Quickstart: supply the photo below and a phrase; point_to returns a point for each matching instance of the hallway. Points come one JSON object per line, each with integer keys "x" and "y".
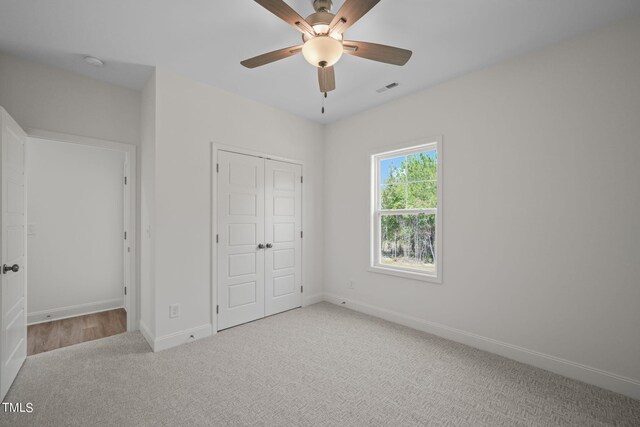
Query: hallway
{"x": 49, "y": 336}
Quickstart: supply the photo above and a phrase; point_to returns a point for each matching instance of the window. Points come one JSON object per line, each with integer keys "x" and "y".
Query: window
{"x": 406, "y": 205}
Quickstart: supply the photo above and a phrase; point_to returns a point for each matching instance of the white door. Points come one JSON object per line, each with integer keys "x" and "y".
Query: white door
{"x": 240, "y": 232}
{"x": 283, "y": 253}
{"x": 259, "y": 238}
{"x": 13, "y": 322}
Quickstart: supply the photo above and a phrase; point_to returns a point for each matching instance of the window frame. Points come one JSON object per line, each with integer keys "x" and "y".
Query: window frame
{"x": 375, "y": 159}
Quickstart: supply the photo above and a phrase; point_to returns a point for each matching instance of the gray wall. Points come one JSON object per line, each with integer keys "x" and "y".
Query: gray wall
{"x": 47, "y": 98}
{"x": 541, "y": 204}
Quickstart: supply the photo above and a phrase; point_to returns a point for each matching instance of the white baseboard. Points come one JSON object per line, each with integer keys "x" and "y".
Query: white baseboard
{"x": 598, "y": 377}
{"x": 144, "y": 330}
{"x": 313, "y": 299}
{"x": 73, "y": 311}
{"x": 181, "y": 337}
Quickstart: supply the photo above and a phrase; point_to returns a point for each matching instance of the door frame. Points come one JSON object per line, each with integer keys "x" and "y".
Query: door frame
{"x": 132, "y": 300}
{"x": 213, "y": 270}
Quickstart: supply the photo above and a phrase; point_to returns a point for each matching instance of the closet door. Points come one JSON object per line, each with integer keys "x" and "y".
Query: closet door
{"x": 283, "y": 226}
{"x": 240, "y": 230}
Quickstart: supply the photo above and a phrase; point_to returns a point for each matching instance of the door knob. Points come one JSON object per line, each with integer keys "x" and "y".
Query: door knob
{"x": 14, "y": 268}
{"x": 260, "y": 246}
{"x": 269, "y": 245}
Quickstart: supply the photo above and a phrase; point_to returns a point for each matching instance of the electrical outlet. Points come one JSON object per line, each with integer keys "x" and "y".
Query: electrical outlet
{"x": 174, "y": 311}
{"x": 351, "y": 284}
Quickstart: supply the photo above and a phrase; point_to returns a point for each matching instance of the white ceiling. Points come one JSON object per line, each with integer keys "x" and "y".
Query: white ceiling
{"x": 207, "y": 39}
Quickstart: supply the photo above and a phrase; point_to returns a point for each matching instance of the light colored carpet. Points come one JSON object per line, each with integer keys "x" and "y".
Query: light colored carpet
{"x": 321, "y": 365}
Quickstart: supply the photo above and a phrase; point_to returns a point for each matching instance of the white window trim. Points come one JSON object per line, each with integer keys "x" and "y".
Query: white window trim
{"x": 374, "y": 160}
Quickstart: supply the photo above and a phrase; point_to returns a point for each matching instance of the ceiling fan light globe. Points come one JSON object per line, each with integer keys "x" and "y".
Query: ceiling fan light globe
{"x": 323, "y": 50}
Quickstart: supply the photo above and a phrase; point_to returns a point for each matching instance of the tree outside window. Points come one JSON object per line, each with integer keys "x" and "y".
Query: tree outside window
{"x": 406, "y": 210}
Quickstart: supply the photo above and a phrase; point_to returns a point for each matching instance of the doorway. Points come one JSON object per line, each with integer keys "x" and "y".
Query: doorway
{"x": 80, "y": 240}
{"x": 259, "y": 237}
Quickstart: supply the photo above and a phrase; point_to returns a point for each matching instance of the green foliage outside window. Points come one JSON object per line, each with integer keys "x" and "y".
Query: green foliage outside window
{"x": 409, "y": 240}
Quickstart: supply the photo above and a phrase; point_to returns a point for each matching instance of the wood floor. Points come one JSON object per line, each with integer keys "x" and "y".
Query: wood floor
{"x": 62, "y": 333}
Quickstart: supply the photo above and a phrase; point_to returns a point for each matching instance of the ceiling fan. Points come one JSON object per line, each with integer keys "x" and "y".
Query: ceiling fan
{"x": 322, "y": 36}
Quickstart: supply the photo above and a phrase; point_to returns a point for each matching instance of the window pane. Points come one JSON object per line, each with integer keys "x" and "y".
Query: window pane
{"x": 392, "y": 170}
{"x": 422, "y": 166}
{"x": 408, "y": 241}
{"x": 393, "y": 196}
{"x": 422, "y": 195}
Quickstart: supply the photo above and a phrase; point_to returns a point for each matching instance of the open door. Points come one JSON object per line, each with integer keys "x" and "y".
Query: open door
{"x": 13, "y": 319}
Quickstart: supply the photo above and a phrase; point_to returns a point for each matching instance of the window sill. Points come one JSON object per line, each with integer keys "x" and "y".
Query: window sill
{"x": 405, "y": 274}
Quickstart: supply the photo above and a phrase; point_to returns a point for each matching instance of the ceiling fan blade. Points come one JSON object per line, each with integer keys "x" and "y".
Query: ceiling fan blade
{"x": 377, "y": 52}
{"x": 327, "y": 79}
{"x": 267, "y": 58}
{"x": 349, "y": 13}
{"x": 287, "y": 14}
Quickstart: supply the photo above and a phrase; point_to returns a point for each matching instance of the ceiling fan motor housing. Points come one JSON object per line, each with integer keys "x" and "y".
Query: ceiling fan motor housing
{"x": 322, "y": 5}
{"x": 320, "y": 22}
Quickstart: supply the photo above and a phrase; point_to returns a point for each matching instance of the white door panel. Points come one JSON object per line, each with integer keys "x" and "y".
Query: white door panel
{"x": 242, "y": 294}
{"x": 284, "y": 285}
{"x": 242, "y": 264}
{"x": 240, "y": 230}
{"x": 13, "y": 321}
{"x": 241, "y": 234}
{"x": 283, "y": 261}
{"x": 284, "y": 258}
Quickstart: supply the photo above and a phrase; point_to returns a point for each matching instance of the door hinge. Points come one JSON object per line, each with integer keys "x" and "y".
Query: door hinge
{"x": 125, "y": 235}
{"x": 301, "y": 180}
{"x": 301, "y": 289}
{"x": 217, "y": 309}
{"x": 125, "y": 290}
{"x": 217, "y": 167}
{"x": 217, "y": 238}
{"x": 125, "y": 180}
{"x": 301, "y": 234}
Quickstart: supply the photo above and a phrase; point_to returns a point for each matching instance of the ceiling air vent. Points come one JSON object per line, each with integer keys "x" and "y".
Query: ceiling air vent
{"x": 387, "y": 87}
